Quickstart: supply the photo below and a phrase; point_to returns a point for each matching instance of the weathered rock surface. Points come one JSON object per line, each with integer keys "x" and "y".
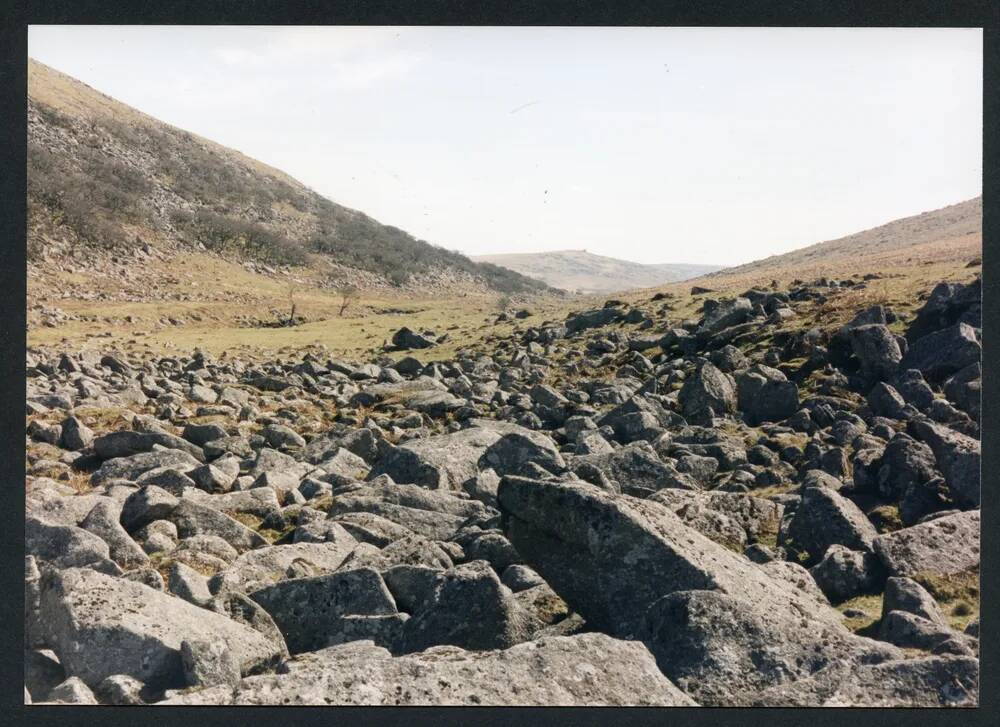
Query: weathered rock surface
{"x": 100, "y": 626}
{"x": 944, "y": 546}
{"x": 586, "y": 670}
{"x": 308, "y": 611}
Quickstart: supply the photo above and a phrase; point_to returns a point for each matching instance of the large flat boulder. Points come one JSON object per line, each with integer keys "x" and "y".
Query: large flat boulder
{"x": 723, "y": 650}
{"x": 611, "y": 556}
{"x": 944, "y": 546}
{"x": 99, "y": 625}
{"x": 586, "y": 670}
{"x": 126, "y": 443}
{"x": 442, "y": 462}
{"x": 255, "y": 569}
{"x": 131, "y": 467}
{"x": 721, "y": 627}
{"x": 433, "y": 514}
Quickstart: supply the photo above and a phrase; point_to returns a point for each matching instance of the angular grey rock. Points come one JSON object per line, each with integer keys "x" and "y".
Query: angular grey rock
{"x": 441, "y": 462}
{"x": 591, "y": 319}
{"x": 99, "y": 626}
{"x": 520, "y": 577}
{"x": 905, "y": 463}
{"x": 202, "y": 434}
{"x": 405, "y": 338}
{"x": 765, "y": 394}
{"x": 708, "y": 389}
{"x": 958, "y": 457}
{"x": 944, "y": 546}
{"x": 243, "y": 610}
{"x": 428, "y": 523}
{"x": 167, "y": 478}
{"x": 121, "y": 690}
{"x": 725, "y": 314}
{"x": 965, "y": 388}
{"x": 877, "y": 350}
{"x": 410, "y": 585}
{"x": 514, "y": 452}
{"x": 844, "y": 573}
{"x": 42, "y": 672}
{"x": 149, "y": 577}
{"x": 469, "y": 607}
{"x": 258, "y": 568}
{"x": 209, "y": 545}
{"x": 72, "y": 691}
{"x": 187, "y": 583}
{"x": 824, "y": 518}
{"x": 411, "y": 550}
{"x": 64, "y": 546}
{"x": 367, "y": 527}
{"x": 885, "y": 401}
{"x": 211, "y": 479}
{"x": 585, "y": 670}
{"x": 932, "y": 681}
{"x": 905, "y": 594}
{"x": 208, "y": 663}
{"x": 192, "y": 518}
{"x": 909, "y": 631}
{"x": 145, "y": 506}
{"x": 945, "y": 352}
{"x": 914, "y": 390}
{"x": 723, "y": 650}
{"x": 635, "y": 465}
{"x": 104, "y": 521}
{"x": 492, "y": 547}
{"x": 126, "y": 444}
{"x": 281, "y": 437}
{"x": 129, "y": 468}
{"x": 611, "y": 556}
{"x": 756, "y": 518}
{"x": 76, "y": 435}
{"x": 308, "y": 611}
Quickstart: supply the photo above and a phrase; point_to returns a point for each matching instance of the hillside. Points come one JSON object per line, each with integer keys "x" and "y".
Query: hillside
{"x": 951, "y": 233}
{"x": 584, "y": 272}
{"x": 106, "y": 177}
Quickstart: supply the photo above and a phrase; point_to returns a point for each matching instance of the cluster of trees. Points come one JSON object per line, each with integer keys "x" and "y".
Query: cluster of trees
{"x": 94, "y": 199}
{"x": 224, "y": 234}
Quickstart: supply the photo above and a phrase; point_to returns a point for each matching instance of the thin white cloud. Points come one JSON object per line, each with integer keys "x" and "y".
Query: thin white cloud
{"x": 351, "y": 58}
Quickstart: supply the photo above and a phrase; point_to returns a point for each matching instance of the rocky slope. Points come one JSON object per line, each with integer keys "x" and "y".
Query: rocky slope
{"x": 580, "y": 271}
{"x": 619, "y": 507}
{"x": 105, "y": 180}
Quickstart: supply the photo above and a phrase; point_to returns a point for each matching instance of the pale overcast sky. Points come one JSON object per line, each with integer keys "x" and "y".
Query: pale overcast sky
{"x": 691, "y": 145}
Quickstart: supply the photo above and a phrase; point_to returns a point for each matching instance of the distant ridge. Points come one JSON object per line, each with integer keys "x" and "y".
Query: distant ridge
{"x": 584, "y": 272}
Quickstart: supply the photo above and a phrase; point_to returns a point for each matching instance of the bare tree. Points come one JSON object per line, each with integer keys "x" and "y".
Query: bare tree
{"x": 348, "y": 294}
{"x": 291, "y": 302}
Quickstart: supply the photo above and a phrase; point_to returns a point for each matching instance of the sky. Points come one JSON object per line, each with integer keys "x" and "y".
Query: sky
{"x": 658, "y": 145}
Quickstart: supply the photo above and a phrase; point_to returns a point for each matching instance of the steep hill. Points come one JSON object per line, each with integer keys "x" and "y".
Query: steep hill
{"x": 584, "y": 272}
{"x": 103, "y": 176}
